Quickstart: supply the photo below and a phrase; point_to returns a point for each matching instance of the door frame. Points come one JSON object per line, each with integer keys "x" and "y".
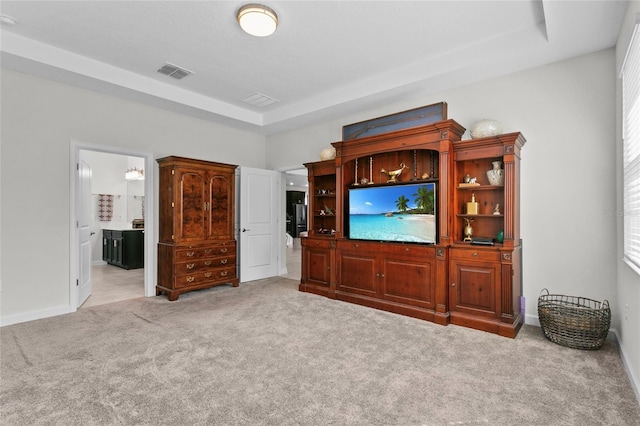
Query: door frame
{"x": 283, "y": 210}
{"x": 150, "y": 239}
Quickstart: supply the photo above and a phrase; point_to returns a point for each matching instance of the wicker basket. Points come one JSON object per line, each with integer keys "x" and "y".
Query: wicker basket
{"x": 575, "y": 322}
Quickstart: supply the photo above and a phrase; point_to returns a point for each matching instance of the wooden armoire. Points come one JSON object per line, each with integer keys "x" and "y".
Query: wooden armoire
{"x": 197, "y": 247}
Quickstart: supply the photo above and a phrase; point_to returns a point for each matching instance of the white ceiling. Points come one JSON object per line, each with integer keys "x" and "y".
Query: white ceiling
{"x": 327, "y": 58}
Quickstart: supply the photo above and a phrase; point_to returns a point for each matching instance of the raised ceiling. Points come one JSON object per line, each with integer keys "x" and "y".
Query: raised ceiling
{"x": 326, "y": 59}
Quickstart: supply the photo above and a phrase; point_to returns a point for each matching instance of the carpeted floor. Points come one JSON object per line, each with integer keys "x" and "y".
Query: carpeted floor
{"x": 266, "y": 354}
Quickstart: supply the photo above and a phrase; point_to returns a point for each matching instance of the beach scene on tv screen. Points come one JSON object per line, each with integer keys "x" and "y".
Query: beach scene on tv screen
{"x": 404, "y": 213}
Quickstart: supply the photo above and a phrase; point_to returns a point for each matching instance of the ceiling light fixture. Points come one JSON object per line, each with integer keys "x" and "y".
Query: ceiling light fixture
{"x": 134, "y": 174}
{"x": 7, "y": 20}
{"x": 257, "y": 20}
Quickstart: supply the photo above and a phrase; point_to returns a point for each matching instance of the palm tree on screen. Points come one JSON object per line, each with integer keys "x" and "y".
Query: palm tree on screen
{"x": 425, "y": 200}
{"x": 402, "y": 203}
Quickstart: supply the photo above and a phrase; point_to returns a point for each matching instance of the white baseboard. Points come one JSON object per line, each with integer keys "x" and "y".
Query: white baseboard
{"x": 635, "y": 384}
{"x": 531, "y": 320}
{"x": 34, "y": 315}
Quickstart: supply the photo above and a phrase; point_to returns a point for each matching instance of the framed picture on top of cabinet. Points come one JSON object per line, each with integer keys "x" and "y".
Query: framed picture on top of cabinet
{"x": 402, "y": 120}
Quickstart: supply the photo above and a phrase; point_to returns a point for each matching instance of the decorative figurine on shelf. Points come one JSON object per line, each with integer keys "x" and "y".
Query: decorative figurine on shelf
{"x": 327, "y": 210}
{"x": 496, "y": 211}
{"x": 496, "y": 175}
{"x": 467, "y": 179}
{"x": 394, "y": 174}
{"x": 425, "y": 176}
{"x": 468, "y": 230}
{"x": 472, "y": 206}
{"x": 364, "y": 181}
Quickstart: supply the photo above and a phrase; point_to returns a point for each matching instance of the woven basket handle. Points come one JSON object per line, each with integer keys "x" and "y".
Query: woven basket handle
{"x": 544, "y": 289}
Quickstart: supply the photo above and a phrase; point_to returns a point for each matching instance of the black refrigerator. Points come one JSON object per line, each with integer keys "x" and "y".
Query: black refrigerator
{"x": 299, "y": 219}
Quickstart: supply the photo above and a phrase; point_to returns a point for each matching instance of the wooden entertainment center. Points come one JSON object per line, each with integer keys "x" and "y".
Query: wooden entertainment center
{"x": 452, "y": 281}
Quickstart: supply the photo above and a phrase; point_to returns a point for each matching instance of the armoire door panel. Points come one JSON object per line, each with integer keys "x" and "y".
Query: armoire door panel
{"x": 192, "y": 203}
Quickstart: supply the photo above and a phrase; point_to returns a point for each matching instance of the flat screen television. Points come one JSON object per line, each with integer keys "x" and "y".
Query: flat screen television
{"x": 399, "y": 212}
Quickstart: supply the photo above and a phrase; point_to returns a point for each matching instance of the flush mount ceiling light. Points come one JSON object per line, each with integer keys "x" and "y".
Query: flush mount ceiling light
{"x": 7, "y": 20}
{"x": 257, "y": 20}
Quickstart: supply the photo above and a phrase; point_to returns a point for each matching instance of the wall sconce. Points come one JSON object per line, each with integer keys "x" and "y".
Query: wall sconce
{"x": 257, "y": 20}
{"x": 134, "y": 174}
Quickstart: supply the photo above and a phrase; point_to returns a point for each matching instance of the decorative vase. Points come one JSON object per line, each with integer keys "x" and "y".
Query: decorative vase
{"x": 484, "y": 128}
{"x": 328, "y": 153}
{"x": 496, "y": 175}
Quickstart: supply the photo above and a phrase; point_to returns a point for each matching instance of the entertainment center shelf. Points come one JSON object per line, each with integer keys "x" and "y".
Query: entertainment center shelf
{"x": 415, "y": 255}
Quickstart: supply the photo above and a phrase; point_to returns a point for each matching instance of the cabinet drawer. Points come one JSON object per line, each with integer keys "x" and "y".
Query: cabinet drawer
{"x": 475, "y": 254}
{"x": 186, "y": 254}
{"x": 316, "y": 242}
{"x": 201, "y": 277}
{"x": 198, "y": 265}
{"x": 358, "y": 246}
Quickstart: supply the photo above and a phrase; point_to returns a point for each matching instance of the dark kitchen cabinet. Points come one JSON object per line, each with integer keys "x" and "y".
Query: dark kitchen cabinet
{"x": 123, "y": 248}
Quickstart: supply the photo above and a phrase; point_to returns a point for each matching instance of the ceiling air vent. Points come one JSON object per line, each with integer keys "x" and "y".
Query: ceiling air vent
{"x": 259, "y": 100}
{"x": 174, "y": 71}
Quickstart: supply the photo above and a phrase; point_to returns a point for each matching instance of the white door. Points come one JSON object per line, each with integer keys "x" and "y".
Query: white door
{"x": 259, "y": 224}
{"x": 84, "y": 231}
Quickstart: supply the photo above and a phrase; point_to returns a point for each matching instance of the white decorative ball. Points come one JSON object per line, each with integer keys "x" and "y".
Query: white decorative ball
{"x": 328, "y": 153}
{"x": 484, "y": 128}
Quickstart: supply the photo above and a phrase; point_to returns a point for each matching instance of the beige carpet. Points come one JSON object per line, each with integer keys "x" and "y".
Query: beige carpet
{"x": 266, "y": 354}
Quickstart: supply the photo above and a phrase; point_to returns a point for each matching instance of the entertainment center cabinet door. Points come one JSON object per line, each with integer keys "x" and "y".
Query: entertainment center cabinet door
{"x": 474, "y": 290}
{"x": 409, "y": 276}
{"x": 359, "y": 271}
{"x": 317, "y": 261}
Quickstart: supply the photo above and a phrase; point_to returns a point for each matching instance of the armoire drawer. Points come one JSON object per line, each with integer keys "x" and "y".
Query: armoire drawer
{"x": 201, "y": 277}
{"x": 198, "y": 265}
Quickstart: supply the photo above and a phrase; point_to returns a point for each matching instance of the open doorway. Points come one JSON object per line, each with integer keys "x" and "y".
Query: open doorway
{"x": 297, "y": 187}
{"x": 120, "y": 263}
{"x": 117, "y": 227}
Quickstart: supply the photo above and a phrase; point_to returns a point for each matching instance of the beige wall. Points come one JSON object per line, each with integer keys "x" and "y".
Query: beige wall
{"x": 39, "y": 120}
